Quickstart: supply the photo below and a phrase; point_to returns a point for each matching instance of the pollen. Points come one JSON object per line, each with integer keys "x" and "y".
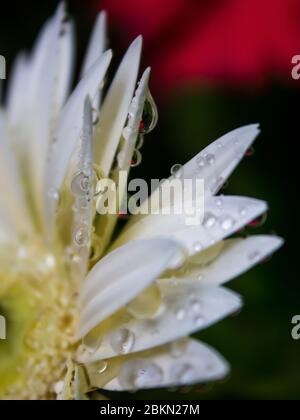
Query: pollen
{"x": 38, "y": 301}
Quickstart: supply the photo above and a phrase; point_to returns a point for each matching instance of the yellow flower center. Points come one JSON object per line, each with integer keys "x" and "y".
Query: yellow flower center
{"x": 38, "y": 302}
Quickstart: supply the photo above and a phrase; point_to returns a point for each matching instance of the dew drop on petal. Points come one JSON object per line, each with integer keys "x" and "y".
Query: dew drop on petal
{"x": 150, "y": 115}
{"x": 180, "y": 314}
{"x": 197, "y": 247}
{"x": 177, "y": 170}
{"x": 122, "y": 341}
{"x": 227, "y": 223}
{"x": 140, "y": 142}
{"x": 53, "y": 193}
{"x": 140, "y": 373}
{"x": 209, "y": 220}
{"x": 254, "y": 256}
{"x": 80, "y": 184}
{"x": 199, "y": 320}
{"x": 200, "y": 161}
{"x": 183, "y": 373}
{"x": 136, "y": 159}
{"x": 210, "y": 159}
{"x": 81, "y": 236}
{"x": 95, "y": 114}
{"x": 195, "y": 305}
{"x": 147, "y": 304}
{"x": 219, "y": 202}
{"x": 243, "y": 211}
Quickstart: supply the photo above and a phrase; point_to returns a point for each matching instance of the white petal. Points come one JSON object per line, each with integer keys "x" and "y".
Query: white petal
{"x": 237, "y": 257}
{"x": 97, "y": 44}
{"x": 96, "y": 48}
{"x": 187, "y": 307}
{"x": 83, "y": 202}
{"x": 65, "y": 66}
{"x": 198, "y": 363}
{"x": 70, "y": 126}
{"x": 135, "y": 116}
{"x": 217, "y": 161}
{"x": 7, "y": 231}
{"x": 120, "y": 276}
{"x": 17, "y": 97}
{"x": 107, "y": 223}
{"x": 115, "y": 108}
{"x": 51, "y": 69}
{"x": 231, "y": 216}
{"x": 12, "y": 199}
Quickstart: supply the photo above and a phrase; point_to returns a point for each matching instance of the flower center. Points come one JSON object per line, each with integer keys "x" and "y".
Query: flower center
{"x": 37, "y": 301}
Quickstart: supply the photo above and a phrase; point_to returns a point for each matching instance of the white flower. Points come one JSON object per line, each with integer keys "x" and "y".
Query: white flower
{"x": 81, "y": 317}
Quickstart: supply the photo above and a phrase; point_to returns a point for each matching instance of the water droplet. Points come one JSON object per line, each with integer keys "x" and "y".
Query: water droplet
{"x": 197, "y": 247}
{"x": 199, "y": 320}
{"x": 102, "y": 366}
{"x": 184, "y": 373}
{"x": 180, "y": 314}
{"x": 227, "y": 223}
{"x": 140, "y": 142}
{"x": 195, "y": 304}
{"x": 150, "y": 115}
{"x": 146, "y": 305}
{"x": 209, "y": 220}
{"x": 95, "y": 114}
{"x": 81, "y": 236}
{"x": 210, "y": 159}
{"x": 253, "y": 256}
{"x": 177, "y": 170}
{"x": 200, "y": 277}
{"x": 122, "y": 341}
{"x": 136, "y": 159}
{"x": 219, "y": 145}
{"x": 219, "y": 201}
{"x": 200, "y": 162}
{"x": 53, "y": 193}
{"x": 243, "y": 211}
{"x": 140, "y": 373}
{"x": 80, "y": 184}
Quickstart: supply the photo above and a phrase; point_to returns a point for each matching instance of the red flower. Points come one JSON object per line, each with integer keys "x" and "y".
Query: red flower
{"x": 233, "y": 41}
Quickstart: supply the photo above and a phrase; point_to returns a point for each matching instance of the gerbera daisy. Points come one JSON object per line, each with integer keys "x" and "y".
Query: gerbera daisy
{"x": 84, "y": 312}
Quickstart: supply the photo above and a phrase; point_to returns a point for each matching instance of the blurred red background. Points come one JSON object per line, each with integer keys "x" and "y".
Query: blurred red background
{"x": 234, "y": 42}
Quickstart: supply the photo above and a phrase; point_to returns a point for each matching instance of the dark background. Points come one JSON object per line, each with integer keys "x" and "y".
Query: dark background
{"x": 265, "y": 360}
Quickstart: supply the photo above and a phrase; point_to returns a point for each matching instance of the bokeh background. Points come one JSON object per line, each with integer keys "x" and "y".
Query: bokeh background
{"x": 217, "y": 65}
